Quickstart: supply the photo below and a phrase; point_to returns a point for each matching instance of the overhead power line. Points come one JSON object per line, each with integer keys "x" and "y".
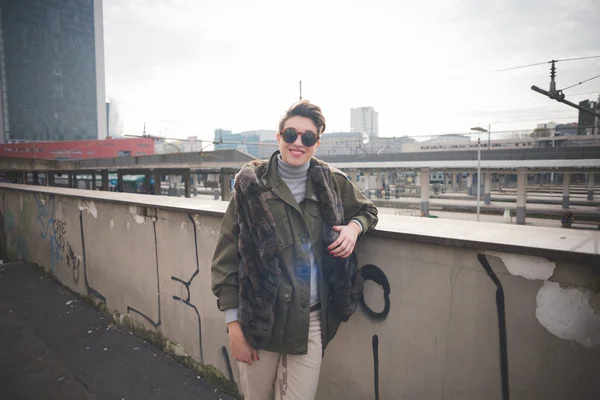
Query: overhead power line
{"x": 587, "y": 80}
{"x": 547, "y": 62}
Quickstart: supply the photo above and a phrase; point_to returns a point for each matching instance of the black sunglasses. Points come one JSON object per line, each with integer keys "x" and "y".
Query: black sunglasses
{"x": 309, "y": 138}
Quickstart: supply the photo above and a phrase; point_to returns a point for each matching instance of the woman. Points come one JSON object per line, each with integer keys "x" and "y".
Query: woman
{"x": 284, "y": 271}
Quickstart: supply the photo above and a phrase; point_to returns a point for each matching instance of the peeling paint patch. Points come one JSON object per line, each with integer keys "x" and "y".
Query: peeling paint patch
{"x": 569, "y": 313}
{"x": 111, "y": 224}
{"x": 89, "y": 206}
{"x": 140, "y": 219}
{"x": 183, "y": 225}
{"x": 128, "y": 226}
{"x": 529, "y": 267}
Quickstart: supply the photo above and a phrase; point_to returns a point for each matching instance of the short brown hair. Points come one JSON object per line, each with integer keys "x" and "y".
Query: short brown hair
{"x": 305, "y": 109}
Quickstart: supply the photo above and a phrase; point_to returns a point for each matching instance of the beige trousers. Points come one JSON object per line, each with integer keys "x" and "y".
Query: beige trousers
{"x": 285, "y": 377}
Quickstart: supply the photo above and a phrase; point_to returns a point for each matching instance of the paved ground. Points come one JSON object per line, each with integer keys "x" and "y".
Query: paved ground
{"x": 54, "y": 346}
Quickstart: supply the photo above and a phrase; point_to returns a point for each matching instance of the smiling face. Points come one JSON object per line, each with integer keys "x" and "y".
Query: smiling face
{"x": 297, "y": 153}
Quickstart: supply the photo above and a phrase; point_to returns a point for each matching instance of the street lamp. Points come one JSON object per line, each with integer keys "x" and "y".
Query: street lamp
{"x": 480, "y": 130}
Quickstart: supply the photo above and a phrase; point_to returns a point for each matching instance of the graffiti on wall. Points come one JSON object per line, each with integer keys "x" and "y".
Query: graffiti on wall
{"x": 50, "y": 228}
{"x": 187, "y": 284}
{"x": 88, "y": 288}
{"x": 130, "y": 309}
{"x": 373, "y": 273}
{"x": 73, "y": 263}
{"x": 60, "y": 229}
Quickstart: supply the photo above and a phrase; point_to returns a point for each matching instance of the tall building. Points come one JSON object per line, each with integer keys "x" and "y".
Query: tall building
{"x": 589, "y": 124}
{"x": 114, "y": 119}
{"x": 52, "y": 70}
{"x": 225, "y": 139}
{"x": 364, "y": 120}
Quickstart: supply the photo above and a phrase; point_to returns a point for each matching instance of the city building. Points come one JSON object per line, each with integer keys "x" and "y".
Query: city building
{"x": 364, "y": 120}
{"x": 226, "y": 140}
{"x": 589, "y": 124}
{"x": 545, "y": 130}
{"x": 114, "y": 119}
{"x": 337, "y": 143}
{"x": 260, "y": 143}
{"x": 79, "y": 149}
{"x": 568, "y": 129}
{"x": 190, "y": 145}
{"x": 52, "y": 70}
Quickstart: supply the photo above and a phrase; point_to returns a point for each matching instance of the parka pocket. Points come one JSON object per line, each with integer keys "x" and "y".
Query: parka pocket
{"x": 282, "y": 306}
{"x": 312, "y": 208}
{"x": 278, "y": 209}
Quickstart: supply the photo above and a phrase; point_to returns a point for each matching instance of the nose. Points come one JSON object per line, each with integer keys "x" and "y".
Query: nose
{"x": 298, "y": 141}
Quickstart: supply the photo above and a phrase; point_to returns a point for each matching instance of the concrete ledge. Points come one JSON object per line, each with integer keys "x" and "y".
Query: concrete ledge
{"x": 541, "y": 241}
{"x": 153, "y": 265}
{"x": 532, "y": 240}
{"x": 210, "y": 207}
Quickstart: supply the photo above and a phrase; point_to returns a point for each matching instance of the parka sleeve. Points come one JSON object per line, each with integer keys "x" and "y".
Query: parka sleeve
{"x": 225, "y": 262}
{"x": 356, "y": 205}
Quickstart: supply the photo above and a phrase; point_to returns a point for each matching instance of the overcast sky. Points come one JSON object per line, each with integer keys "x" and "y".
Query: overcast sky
{"x": 186, "y": 67}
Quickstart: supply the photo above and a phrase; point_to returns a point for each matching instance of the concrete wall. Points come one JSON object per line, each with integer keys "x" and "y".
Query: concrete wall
{"x": 440, "y": 339}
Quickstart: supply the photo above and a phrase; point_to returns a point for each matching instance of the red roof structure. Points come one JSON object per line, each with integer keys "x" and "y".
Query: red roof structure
{"x": 79, "y": 149}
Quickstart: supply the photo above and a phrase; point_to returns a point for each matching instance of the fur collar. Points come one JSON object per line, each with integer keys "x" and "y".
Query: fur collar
{"x": 258, "y": 243}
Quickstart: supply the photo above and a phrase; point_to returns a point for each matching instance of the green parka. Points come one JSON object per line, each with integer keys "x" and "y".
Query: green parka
{"x": 296, "y": 224}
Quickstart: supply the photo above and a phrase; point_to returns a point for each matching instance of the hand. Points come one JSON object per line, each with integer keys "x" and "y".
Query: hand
{"x": 240, "y": 349}
{"x": 344, "y": 245}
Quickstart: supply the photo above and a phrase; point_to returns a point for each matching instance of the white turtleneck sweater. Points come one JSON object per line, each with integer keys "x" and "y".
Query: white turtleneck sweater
{"x": 295, "y": 178}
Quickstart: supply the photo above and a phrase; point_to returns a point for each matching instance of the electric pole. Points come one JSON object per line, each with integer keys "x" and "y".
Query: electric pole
{"x": 558, "y": 95}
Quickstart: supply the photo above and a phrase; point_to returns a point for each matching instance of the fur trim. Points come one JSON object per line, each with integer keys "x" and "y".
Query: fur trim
{"x": 259, "y": 267}
{"x": 345, "y": 281}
